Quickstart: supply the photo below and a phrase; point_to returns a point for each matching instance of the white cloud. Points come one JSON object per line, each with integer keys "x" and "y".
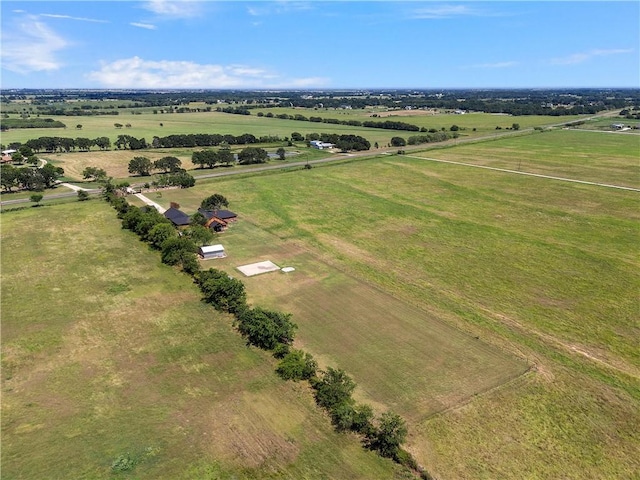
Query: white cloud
{"x": 174, "y": 9}
{"x": 69, "y": 17}
{"x": 31, "y": 46}
{"x": 443, "y": 11}
{"x": 148, "y": 26}
{"x": 136, "y": 72}
{"x": 584, "y": 56}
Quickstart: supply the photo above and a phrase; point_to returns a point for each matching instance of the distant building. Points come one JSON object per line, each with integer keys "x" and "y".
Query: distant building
{"x": 212, "y": 251}
{"x": 617, "y": 126}
{"x": 320, "y": 145}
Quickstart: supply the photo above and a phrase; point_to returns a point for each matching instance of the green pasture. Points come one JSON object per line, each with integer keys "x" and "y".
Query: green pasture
{"x": 610, "y": 158}
{"x": 394, "y": 351}
{"x": 543, "y": 269}
{"x": 110, "y": 361}
{"x": 483, "y": 122}
{"x": 147, "y": 125}
{"x": 116, "y": 162}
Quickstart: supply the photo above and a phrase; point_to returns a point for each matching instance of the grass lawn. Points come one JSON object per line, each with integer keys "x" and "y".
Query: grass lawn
{"x": 543, "y": 269}
{"x": 110, "y": 358}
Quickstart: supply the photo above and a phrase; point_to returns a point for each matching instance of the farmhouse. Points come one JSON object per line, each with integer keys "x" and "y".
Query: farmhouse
{"x": 218, "y": 220}
{"x": 177, "y": 217}
{"x": 212, "y": 251}
{"x": 6, "y": 156}
{"x": 320, "y": 145}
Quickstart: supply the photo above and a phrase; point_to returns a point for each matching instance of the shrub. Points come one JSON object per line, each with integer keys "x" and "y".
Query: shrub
{"x": 297, "y": 365}
{"x": 266, "y": 328}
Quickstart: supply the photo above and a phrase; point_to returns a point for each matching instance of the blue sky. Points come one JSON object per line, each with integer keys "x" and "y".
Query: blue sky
{"x": 319, "y": 45}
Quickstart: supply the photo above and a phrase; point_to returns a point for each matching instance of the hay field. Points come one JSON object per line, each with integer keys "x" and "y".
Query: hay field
{"x": 108, "y": 355}
{"x": 543, "y": 269}
{"x": 582, "y": 155}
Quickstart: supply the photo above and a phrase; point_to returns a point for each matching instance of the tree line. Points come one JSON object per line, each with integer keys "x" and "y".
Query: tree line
{"x": 387, "y": 124}
{"x": 267, "y": 329}
{"x": 27, "y": 178}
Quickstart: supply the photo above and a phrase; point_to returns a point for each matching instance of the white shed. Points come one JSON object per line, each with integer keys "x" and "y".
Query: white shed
{"x": 212, "y": 251}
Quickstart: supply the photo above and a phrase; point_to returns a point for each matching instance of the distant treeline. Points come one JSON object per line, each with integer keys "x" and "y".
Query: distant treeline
{"x": 128, "y": 142}
{"x": 510, "y": 101}
{"x": 8, "y": 123}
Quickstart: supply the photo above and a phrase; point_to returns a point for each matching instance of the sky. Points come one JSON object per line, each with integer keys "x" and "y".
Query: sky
{"x": 162, "y": 44}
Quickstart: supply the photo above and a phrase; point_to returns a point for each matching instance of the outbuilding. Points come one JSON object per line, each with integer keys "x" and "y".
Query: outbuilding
{"x": 212, "y": 251}
{"x": 177, "y": 217}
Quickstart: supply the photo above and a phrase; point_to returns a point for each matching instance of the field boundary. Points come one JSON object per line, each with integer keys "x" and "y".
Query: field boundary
{"x": 539, "y": 175}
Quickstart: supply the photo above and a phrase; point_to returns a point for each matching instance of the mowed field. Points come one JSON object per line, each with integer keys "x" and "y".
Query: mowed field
{"x": 109, "y": 355}
{"x": 542, "y": 271}
{"x": 147, "y": 125}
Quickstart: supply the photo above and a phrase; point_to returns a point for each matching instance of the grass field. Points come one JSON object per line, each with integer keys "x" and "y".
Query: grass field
{"x": 147, "y": 125}
{"x": 116, "y": 162}
{"x": 597, "y": 157}
{"x": 540, "y": 268}
{"x": 109, "y": 355}
{"x": 401, "y": 263}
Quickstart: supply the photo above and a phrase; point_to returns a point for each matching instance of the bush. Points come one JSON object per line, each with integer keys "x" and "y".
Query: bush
{"x": 297, "y": 365}
{"x": 223, "y": 292}
{"x": 266, "y": 328}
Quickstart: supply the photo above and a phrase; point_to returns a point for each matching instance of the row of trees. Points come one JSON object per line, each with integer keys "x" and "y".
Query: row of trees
{"x": 171, "y": 168}
{"x": 27, "y": 178}
{"x": 387, "y": 124}
{"x": 63, "y": 144}
{"x": 269, "y": 330}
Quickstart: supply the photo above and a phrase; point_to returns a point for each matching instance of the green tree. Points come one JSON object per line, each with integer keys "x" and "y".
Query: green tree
{"x": 94, "y": 173}
{"x": 515, "y": 126}
{"x": 281, "y": 153}
{"x": 334, "y": 387}
{"x": 225, "y": 156}
{"x": 8, "y": 177}
{"x": 82, "y": 196}
{"x": 398, "y": 142}
{"x": 36, "y": 198}
{"x": 297, "y": 365}
{"x": 198, "y": 219}
{"x": 50, "y": 174}
{"x": 252, "y": 155}
{"x": 159, "y": 233}
{"x": 454, "y": 128}
{"x": 17, "y": 157}
{"x": 226, "y": 294}
{"x": 214, "y": 202}
{"x": 168, "y": 164}
{"x": 266, "y": 328}
{"x": 199, "y": 234}
{"x": 388, "y": 436}
{"x": 140, "y": 166}
{"x": 175, "y": 250}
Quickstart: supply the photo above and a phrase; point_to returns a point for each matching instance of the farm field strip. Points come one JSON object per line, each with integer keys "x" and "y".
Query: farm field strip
{"x": 517, "y": 172}
{"x": 396, "y": 352}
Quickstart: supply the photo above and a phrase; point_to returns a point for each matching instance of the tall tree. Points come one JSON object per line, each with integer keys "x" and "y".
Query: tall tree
{"x": 140, "y": 166}
{"x": 214, "y": 202}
